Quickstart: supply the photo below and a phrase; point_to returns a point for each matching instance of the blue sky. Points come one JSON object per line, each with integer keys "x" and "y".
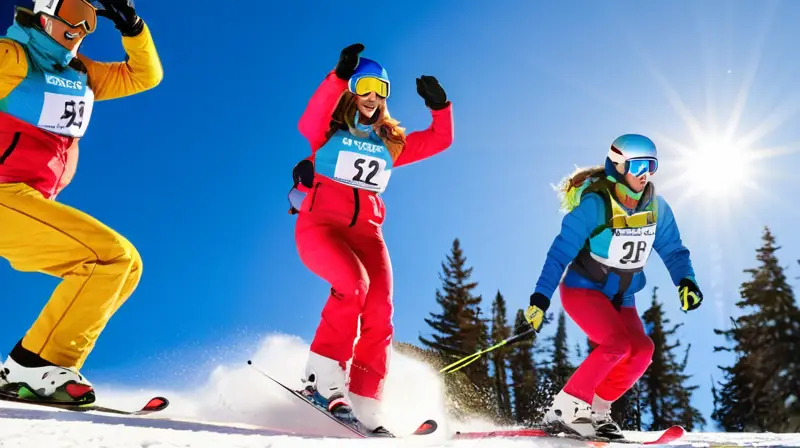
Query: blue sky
{"x": 197, "y": 176}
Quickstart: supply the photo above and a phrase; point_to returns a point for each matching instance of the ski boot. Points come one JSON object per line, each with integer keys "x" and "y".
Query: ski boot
{"x": 325, "y": 388}
{"x": 49, "y": 383}
{"x": 570, "y": 415}
{"x": 604, "y": 425}
{"x": 368, "y": 411}
{"x": 337, "y": 405}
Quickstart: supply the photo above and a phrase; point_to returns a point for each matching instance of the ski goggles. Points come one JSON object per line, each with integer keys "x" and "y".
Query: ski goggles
{"x": 638, "y": 167}
{"x": 368, "y": 84}
{"x": 77, "y": 13}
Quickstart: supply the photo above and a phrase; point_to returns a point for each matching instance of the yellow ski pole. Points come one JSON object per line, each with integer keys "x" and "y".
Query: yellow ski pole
{"x": 463, "y": 362}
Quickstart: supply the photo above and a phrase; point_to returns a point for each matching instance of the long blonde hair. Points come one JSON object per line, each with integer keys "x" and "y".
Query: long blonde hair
{"x": 570, "y": 188}
{"x": 387, "y": 128}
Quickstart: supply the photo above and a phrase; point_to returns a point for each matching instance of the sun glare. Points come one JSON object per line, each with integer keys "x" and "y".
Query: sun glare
{"x": 717, "y": 167}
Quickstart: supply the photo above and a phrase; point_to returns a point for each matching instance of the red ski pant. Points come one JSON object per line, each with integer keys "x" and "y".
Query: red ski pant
{"x": 623, "y": 350}
{"x": 339, "y": 237}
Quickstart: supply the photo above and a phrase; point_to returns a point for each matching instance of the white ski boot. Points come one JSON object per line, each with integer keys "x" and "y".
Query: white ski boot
{"x": 369, "y": 412}
{"x": 604, "y": 425}
{"x": 49, "y": 383}
{"x": 571, "y": 414}
{"x": 325, "y": 386}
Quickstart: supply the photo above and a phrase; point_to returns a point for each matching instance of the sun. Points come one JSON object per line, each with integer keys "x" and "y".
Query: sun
{"x": 718, "y": 168}
{"x": 714, "y": 171}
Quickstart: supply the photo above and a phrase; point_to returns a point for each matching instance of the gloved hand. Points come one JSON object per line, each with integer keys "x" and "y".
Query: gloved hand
{"x": 689, "y": 294}
{"x": 348, "y": 61}
{"x": 303, "y": 173}
{"x": 535, "y": 312}
{"x": 431, "y": 91}
{"x": 123, "y": 14}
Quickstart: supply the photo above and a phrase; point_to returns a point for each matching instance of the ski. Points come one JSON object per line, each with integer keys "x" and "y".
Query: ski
{"x": 155, "y": 404}
{"x": 671, "y": 434}
{"x": 667, "y": 436}
{"x": 427, "y": 427}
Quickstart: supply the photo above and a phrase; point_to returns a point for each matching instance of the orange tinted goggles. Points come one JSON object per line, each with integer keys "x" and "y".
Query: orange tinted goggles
{"x": 77, "y": 13}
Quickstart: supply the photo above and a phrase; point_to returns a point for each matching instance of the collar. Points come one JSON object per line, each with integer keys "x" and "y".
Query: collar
{"x": 41, "y": 46}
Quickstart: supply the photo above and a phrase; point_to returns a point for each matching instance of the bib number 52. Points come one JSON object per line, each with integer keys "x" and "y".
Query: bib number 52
{"x": 373, "y": 168}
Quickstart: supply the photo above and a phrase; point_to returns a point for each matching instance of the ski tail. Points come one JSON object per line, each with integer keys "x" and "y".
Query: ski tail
{"x": 670, "y": 435}
{"x": 427, "y": 427}
{"x": 155, "y": 404}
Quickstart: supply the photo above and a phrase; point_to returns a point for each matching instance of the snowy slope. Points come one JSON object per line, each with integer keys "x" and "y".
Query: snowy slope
{"x": 237, "y": 407}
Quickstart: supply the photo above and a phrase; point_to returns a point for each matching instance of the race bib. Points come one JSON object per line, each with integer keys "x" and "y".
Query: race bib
{"x": 66, "y": 114}
{"x": 630, "y": 248}
{"x": 362, "y": 171}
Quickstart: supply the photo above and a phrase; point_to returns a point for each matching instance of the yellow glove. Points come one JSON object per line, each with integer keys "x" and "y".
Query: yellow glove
{"x": 689, "y": 295}
{"x": 535, "y": 312}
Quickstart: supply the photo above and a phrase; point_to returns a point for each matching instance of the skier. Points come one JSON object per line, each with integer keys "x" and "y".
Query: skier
{"x": 47, "y": 91}
{"x": 336, "y": 194}
{"x": 614, "y": 219}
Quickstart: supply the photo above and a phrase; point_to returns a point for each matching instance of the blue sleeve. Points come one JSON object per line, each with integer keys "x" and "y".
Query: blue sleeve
{"x": 669, "y": 246}
{"x": 576, "y": 228}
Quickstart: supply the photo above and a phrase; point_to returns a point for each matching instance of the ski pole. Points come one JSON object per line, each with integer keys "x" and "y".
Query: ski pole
{"x": 463, "y": 362}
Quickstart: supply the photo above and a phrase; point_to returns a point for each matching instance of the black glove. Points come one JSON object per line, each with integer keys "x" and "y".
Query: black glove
{"x": 123, "y": 14}
{"x": 429, "y": 89}
{"x": 689, "y": 294}
{"x": 303, "y": 173}
{"x": 348, "y": 60}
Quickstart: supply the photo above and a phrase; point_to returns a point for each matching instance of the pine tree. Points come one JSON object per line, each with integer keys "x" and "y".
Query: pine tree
{"x": 500, "y": 332}
{"x": 559, "y": 369}
{"x": 664, "y": 389}
{"x": 524, "y": 378}
{"x": 460, "y": 330}
{"x": 760, "y": 391}
{"x": 562, "y": 369}
{"x": 688, "y": 416}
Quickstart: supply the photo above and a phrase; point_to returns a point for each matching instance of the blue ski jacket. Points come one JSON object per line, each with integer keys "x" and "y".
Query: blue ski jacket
{"x": 576, "y": 230}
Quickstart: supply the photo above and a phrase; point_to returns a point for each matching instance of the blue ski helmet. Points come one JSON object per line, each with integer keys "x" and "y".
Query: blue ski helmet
{"x": 369, "y": 76}
{"x": 636, "y": 152}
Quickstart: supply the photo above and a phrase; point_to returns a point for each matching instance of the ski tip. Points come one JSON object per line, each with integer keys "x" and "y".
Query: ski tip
{"x": 427, "y": 427}
{"x": 156, "y": 404}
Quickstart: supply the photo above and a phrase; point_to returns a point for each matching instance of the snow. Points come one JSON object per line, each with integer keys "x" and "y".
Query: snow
{"x": 239, "y": 408}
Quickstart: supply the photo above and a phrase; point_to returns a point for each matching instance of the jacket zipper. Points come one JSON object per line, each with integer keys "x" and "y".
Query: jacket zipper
{"x": 11, "y": 148}
{"x": 355, "y": 207}
{"x": 313, "y": 196}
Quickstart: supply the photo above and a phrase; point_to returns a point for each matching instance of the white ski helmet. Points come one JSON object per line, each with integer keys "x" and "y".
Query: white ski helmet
{"x": 72, "y": 12}
{"x": 636, "y": 154}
